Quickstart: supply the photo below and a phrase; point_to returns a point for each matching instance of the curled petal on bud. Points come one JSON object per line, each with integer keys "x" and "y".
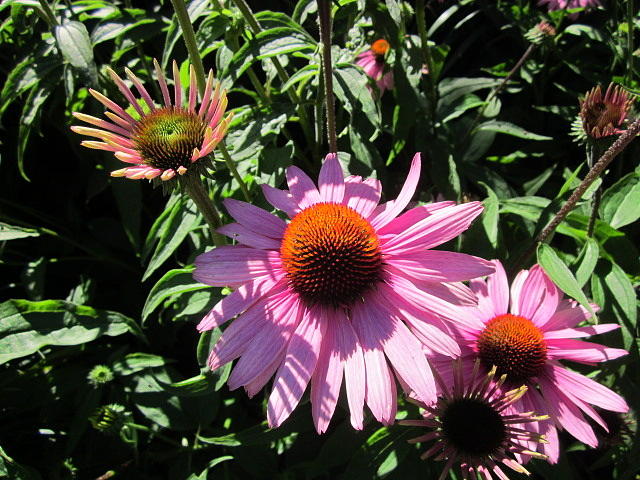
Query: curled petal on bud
{"x": 603, "y": 115}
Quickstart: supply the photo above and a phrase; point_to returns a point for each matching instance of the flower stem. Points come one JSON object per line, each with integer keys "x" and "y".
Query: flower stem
{"x": 630, "y": 24}
{"x": 252, "y": 21}
{"x": 195, "y": 190}
{"x": 189, "y": 37}
{"x": 324, "y": 13}
{"x": 234, "y": 171}
{"x": 612, "y": 152}
{"x": 428, "y": 59}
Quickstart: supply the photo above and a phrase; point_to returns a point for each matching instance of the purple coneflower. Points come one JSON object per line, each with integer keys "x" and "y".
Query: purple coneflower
{"x": 568, "y": 4}
{"x": 525, "y": 331}
{"x": 334, "y": 293}
{"x": 159, "y": 141}
{"x": 373, "y": 64}
{"x": 474, "y": 426}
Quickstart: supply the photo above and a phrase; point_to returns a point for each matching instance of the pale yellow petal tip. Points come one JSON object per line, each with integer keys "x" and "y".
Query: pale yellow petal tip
{"x": 182, "y": 170}
{"x": 167, "y": 175}
{"x": 119, "y": 173}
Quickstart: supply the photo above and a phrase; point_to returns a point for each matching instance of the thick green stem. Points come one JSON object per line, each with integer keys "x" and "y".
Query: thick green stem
{"x": 234, "y": 171}
{"x": 189, "y": 37}
{"x": 324, "y": 13}
{"x": 195, "y": 190}
{"x": 612, "y": 152}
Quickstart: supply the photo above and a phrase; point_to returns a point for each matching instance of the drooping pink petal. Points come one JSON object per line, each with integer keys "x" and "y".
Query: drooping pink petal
{"x": 331, "y": 180}
{"x": 264, "y": 376}
{"x": 408, "y": 189}
{"x": 354, "y": 369}
{"x": 281, "y": 199}
{"x": 568, "y": 415}
{"x": 302, "y": 189}
{"x": 255, "y": 218}
{"x": 581, "y": 331}
{"x": 327, "y": 378}
{"x": 248, "y": 237}
{"x": 440, "y": 266}
{"x": 296, "y": 370}
{"x": 438, "y": 228}
{"x": 581, "y": 351}
{"x": 239, "y": 300}
{"x": 234, "y": 265}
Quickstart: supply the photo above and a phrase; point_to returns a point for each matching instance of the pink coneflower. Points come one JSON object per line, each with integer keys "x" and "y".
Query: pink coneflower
{"x": 526, "y": 338}
{"x": 603, "y": 116}
{"x": 332, "y": 292}
{"x": 568, "y": 4}
{"x": 473, "y": 429}
{"x": 373, "y": 64}
{"x": 159, "y": 141}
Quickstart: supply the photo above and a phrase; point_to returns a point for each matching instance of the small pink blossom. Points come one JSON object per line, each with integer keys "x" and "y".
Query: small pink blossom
{"x": 373, "y": 64}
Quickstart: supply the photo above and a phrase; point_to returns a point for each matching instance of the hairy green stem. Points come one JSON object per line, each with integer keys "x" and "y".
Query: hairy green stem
{"x": 234, "y": 171}
{"x": 324, "y": 13}
{"x": 612, "y": 152}
{"x": 189, "y": 37}
{"x": 196, "y": 191}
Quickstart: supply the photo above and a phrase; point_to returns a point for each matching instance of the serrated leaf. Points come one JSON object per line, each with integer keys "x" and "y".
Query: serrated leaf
{"x": 561, "y": 275}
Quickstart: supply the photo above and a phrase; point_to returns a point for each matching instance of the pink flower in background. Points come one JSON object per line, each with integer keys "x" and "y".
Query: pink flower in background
{"x": 344, "y": 288}
{"x": 373, "y": 64}
{"x": 525, "y": 331}
{"x": 473, "y": 428}
{"x": 568, "y": 4}
{"x": 159, "y": 141}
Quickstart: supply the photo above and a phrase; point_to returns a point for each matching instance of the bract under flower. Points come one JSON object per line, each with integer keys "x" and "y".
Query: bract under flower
{"x": 348, "y": 289}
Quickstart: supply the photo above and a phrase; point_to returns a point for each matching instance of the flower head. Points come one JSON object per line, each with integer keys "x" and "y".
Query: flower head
{"x": 603, "y": 116}
{"x": 159, "y": 141}
{"x": 100, "y": 375}
{"x": 539, "y": 33}
{"x": 338, "y": 290}
{"x": 373, "y": 64}
{"x": 525, "y": 332}
{"x": 473, "y": 427}
{"x": 568, "y": 4}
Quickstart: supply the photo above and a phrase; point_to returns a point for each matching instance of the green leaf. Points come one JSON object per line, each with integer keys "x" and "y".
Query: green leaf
{"x": 590, "y": 253}
{"x": 174, "y": 228}
{"x": 75, "y": 45}
{"x": 174, "y": 282}
{"x": 11, "y": 232}
{"x": 491, "y": 215}
{"x": 350, "y": 84}
{"x": 26, "y": 326}
{"x": 620, "y": 203}
{"x": 510, "y": 129}
{"x": 136, "y": 362}
{"x": 624, "y": 299}
{"x": 561, "y": 275}
{"x": 191, "y": 387}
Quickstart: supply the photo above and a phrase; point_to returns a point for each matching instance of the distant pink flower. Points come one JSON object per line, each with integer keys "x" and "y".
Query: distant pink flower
{"x": 568, "y": 4}
{"x": 159, "y": 141}
{"x": 373, "y": 64}
{"x": 473, "y": 428}
{"x": 331, "y": 293}
{"x": 526, "y": 338}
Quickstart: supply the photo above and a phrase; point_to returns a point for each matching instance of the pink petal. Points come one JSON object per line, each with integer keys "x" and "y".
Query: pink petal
{"x": 263, "y": 377}
{"x": 546, "y": 427}
{"x": 566, "y": 413}
{"x": 363, "y": 197}
{"x": 255, "y": 218}
{"x": 302, "y": 189}
{"x": 581, "y": 331}
{"x": 281, "y": 321}
{"x": 331, "y": 180}
{"x": 581, "y": 351}
{"x": 281, "y": 199}
{"x": 380, "y": 390}
{"x": 354, "y": 370}
{"x": 327, "y": 378}
{"x": 434, "y": 230}
{"x": 498, "y": 289}
{"x": 539, "y": 297}
{"x": 239, "y": 300}
{"x": 516, "y": 289}
{"x": 440, "y": 266}
{"x": 404, "y": 197}
{"x": 296, "y": 370}
{"x": 568, "y": 317}
{"x": 409, "y": 218}
{"x": 248, "y": 237}
{"x": 235, "y": 265}
{"x": 586, "y": 389}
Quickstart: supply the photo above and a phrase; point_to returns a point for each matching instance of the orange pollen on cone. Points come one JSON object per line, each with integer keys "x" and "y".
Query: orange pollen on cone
{"x": 331, "y": 255}
{"x": 380, "y": 47}
{"x": 514, "y": 345}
